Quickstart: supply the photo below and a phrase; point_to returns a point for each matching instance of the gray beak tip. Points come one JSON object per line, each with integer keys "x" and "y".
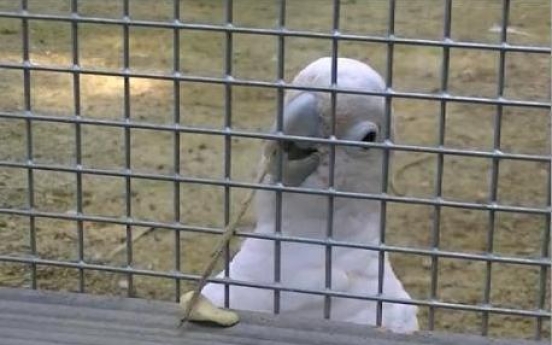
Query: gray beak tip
{"x": 301, "y": 117}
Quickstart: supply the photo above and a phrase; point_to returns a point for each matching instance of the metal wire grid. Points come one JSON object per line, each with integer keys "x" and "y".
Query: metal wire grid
{"x": 540, "y": 313}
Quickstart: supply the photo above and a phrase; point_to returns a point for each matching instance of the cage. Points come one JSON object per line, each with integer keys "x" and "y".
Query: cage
{"x": 130, "y": 129}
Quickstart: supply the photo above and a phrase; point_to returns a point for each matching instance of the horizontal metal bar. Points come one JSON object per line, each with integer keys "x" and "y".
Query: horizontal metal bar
{"x": 230, "y": 80}
{"x": 275, "y": 287}
{"x": 269, "y": 136}
{"x": 224, "y": 28}
{"x": 487, "y": 257}
{"x": 278, "y": 187}
{"x": 433, "y": 252}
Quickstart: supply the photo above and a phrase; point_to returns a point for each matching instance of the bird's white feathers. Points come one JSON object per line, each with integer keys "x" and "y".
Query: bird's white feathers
{"x": 302, "y": 266}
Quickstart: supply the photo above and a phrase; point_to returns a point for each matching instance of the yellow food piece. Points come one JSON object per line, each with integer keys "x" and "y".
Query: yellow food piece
{"x": 205, "y": 311}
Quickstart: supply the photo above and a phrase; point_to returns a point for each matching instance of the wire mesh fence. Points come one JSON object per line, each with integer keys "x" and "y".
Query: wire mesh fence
{"x": 127, "y": 118}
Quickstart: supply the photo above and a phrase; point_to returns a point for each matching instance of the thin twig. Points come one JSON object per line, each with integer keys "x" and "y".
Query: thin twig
{"x": 401, "y": 171}
{"x": 223, "y": 241}
{"x": 122, "y": 246}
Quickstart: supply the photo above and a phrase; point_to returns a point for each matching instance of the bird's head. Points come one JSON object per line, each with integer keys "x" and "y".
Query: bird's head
{"x": 357, "y": 117}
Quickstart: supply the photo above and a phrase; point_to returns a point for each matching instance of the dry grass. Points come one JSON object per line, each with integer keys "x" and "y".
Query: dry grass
{"x": 468, "y": 126}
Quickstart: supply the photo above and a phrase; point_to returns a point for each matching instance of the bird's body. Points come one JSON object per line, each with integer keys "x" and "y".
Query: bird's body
{"x": 302, "y": 265}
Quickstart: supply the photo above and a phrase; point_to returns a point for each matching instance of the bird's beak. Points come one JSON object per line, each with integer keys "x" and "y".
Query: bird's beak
{"x": 300, "y": 158}
{"x": 301, "y": 118}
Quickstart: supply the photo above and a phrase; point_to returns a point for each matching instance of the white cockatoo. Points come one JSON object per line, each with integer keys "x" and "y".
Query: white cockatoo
{"x": 307, "y": 164}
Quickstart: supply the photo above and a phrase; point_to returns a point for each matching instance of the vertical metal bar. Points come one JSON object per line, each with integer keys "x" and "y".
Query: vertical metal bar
{"x": 544, "y": 281}
{"x": 279, "y": 124}
{"x": 493, "y": 186}
{"x": 78, "y": 135}
{"x": 29, "y": 136}
{"x": 545, "y": 253}
{"x": 331, "y": 172}
{"x": 385, "y": 152}
{"x": 176, "y": 147}
{"x": 228, "y": 70}
{"x": 126, "y": 113}
{"x": 435, "y": 233}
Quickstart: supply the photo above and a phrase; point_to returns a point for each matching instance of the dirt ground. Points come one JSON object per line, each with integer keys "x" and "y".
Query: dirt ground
{"x": 417, "y": 69}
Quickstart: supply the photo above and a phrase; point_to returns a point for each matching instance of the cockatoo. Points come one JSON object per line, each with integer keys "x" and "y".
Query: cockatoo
{"x": 306, "y": 164}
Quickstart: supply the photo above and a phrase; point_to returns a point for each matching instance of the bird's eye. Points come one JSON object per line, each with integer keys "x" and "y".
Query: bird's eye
{"x": 369, "y": 137}
{"x": 362, "y": 132}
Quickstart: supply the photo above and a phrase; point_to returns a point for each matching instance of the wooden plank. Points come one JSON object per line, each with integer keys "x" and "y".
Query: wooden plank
{"x": 29, "y": 317}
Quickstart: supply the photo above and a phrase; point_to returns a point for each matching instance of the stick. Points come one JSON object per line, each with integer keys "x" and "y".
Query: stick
{"x": 401, "y": 171}
{"x": 223, "y": 241}
{"x": 123, "y": 246}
